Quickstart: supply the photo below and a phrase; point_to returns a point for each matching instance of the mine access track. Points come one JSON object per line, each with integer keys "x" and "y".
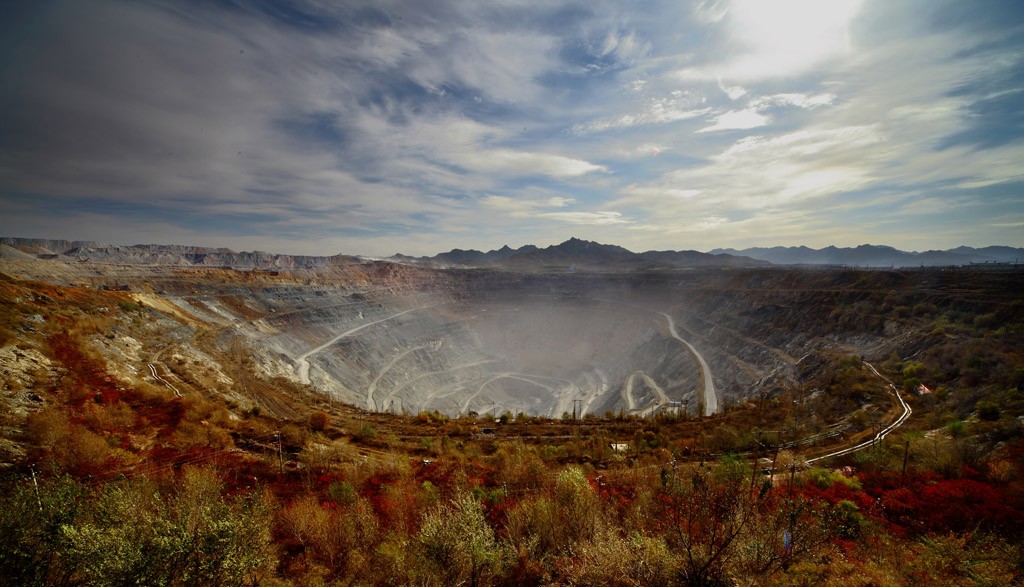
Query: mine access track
{"x": 882, "y": 433}
{"x": 156, "y": 375}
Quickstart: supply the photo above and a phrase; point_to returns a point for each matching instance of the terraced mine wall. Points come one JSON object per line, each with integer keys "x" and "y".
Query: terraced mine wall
{"x": 394, "y": 337}
{"x": 589, "y": 343}
{"x": 496, "y": 342}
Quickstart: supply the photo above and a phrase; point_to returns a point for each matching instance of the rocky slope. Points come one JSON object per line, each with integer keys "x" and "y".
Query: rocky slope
{"x": 390, "y": 336}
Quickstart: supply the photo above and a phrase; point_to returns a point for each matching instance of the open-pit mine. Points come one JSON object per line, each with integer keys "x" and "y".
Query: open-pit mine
{"x": 411, "y": 338}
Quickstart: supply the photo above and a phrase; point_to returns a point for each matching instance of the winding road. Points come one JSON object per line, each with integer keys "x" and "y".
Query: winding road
{"x": 372, "y": 405}
{"x": 156, "y": 375}
{"x": 627, "y": 392}
{"x": 302, "y": 361}
{"x": 882, "y": 433}
{"x": 710, "y": 397}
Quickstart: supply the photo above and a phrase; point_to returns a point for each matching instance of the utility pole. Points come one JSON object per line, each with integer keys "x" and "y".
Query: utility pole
{"x": 753, "y": 471}
{"x": 576, "y": 402}
{"x": 280, "y": 453}
{"x": 906, "y": 453}
{"x": 35, "y": 483}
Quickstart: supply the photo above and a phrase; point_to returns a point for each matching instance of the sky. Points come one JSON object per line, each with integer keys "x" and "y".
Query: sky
{"x": 322, "y": 127}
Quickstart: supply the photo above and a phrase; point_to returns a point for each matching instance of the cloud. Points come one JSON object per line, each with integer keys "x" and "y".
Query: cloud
{"x": 786, "y": 37}
{"x": 734, "y": 92}
{"x": 625, "y": 45}
{"x": 525, "y": 163}
{"x": 809, "y": 101}
{"x": 523, "y": 207}
{"x": 677, "y": 106}
{"x": 447, "y": 148}
{"x": 600, "y": 218}
{"x": 737, "y": 120}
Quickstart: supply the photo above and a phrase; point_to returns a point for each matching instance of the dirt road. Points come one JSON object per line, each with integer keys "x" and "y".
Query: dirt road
{"x": 302, "y": 361}
{"x": 710, "y": 397}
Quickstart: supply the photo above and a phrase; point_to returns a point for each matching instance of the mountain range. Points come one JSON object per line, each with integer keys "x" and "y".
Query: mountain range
{"x": 569, "y": 255}
{"x": 878, "y": 256}
{"x": 581, "y": 254}
{"x": 160, "y": 255}
{"x": 587, "y": 254}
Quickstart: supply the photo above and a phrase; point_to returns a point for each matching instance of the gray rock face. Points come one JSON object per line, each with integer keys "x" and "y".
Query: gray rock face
{"x": 407, "y": 337}
{"x": 488, "y": 342}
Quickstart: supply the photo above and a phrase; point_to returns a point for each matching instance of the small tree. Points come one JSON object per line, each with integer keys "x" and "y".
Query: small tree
{"x": 705, "y": 518}
{"x": 457, "y": 543}
{"x": 318, "y": 421}
{"x": 988, "y": 410}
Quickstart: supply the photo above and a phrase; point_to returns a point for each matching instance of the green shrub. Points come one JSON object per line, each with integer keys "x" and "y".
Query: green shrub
{"x": 987, "y": 410}
{"x": 457, "y": 544}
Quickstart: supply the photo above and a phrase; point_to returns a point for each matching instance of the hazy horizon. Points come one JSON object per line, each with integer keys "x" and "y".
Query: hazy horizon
{"x": 488, "y": 249}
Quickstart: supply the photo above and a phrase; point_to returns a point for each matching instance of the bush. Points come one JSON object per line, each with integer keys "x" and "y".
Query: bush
{"x": 614, "y": 560}
{"x": 132, "y": 533}
{"x": 826, "y": 480}
{"x": 458, "y": 545}
{"x": 987, "y": 410}
{"x": 366, "y": 432}
{"x": 129, "y": 306}
{"x": 956, "y": 428}
{"x": 342, "y": 492}
{"x": 732, "y": 468}
{"x": 318, "y": 421}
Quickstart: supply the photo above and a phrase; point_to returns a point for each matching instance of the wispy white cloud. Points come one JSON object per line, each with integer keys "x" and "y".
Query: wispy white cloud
{"x": 734, "y": 92}
{"x": 676, "y": 106}
{"x": 526, "y": 163}
{"x": 523, "y": 206}
{"x": 794, "y": 99}
{"x": 737, "y": 120}
{"x": 625, "y": 45}
{"x": 787, "y": 37}
{"x": 599, "y": 218}
{"x": 533, "y": 209}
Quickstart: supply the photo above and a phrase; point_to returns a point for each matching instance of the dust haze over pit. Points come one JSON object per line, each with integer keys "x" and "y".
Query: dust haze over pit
{"x": 539, "y": 352}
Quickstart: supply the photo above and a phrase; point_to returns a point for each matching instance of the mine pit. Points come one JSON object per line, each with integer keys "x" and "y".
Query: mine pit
{"x": 545, "y": 355}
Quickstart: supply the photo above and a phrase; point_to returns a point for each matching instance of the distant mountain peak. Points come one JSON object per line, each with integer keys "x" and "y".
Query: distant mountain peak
{"x": 577, "y": 253}
{"x": 867, "y": 255}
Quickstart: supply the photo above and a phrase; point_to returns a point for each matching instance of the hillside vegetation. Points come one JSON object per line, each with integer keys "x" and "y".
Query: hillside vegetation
{"x": 143, "y": 445}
